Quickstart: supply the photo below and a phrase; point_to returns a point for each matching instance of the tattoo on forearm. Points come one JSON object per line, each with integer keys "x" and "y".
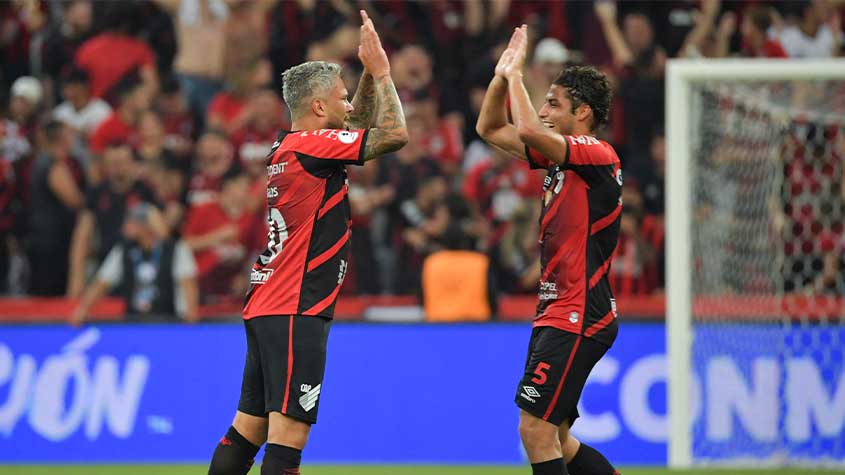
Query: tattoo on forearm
{"x": 364, "y": 104}
{"x": 390, "y": 133}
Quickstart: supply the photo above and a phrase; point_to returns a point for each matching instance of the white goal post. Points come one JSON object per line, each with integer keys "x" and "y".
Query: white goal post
{"x": 681, "y": 76}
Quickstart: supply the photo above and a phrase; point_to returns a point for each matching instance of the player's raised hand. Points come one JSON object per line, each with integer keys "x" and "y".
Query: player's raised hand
{"x": 507, "y": 55}
{"x": 370, "y": 51}
{"x": 520, "y": 51}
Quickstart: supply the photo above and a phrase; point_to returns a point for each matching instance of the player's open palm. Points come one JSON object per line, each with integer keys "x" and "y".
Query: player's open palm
{"x": 370, "y": 51}
{"x": 519, "y": 40}
{"x": 507, "y": 55}
{"x": 504, "y": 61}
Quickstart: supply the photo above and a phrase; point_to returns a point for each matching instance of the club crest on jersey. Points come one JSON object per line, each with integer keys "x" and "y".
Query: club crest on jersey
{"x": 260, "y": 276}
{"x": 347, "y": 137}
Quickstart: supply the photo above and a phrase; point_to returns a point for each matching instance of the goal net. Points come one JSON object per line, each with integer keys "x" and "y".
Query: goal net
{"x": 756, "y": 264}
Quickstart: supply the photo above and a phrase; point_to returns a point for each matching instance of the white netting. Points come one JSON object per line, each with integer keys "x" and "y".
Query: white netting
{"x": 768, "y": 284}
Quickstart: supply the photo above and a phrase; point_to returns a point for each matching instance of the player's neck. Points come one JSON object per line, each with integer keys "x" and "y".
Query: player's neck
{"x": 308, "y": 123}
{"x": 581, "y": 129}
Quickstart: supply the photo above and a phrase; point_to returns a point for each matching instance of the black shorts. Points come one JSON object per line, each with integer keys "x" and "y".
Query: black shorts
{"x": 557, "y": 368}
{"x": 285, "y": 363}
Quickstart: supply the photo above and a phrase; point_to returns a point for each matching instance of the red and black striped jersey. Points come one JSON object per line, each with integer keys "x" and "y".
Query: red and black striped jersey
{"x": 579, "y": 228}
{"x": 303, "y": 267}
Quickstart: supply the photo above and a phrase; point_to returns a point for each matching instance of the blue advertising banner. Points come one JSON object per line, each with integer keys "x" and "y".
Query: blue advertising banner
{"x": 392, "y": 394}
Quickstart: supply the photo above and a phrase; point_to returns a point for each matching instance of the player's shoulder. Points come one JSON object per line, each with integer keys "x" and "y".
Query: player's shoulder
{"x": 337, "y": 135}
{"x": 592, "y": 146}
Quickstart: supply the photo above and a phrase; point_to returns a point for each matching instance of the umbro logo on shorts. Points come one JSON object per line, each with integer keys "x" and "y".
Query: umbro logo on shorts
{"x": 309, "y": 399}
{"x": 529, "y": 393}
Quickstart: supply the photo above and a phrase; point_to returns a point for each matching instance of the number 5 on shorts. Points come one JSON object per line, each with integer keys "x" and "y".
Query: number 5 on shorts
{"x": 540, "y": 372}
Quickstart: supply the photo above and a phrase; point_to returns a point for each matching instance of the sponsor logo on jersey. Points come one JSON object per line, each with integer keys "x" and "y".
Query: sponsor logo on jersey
{"x": 548, "y": 290}
{"x": 308, "y": 400}
{"x": 613, "y": 308}
{"x": 260, "y": 276}
{"x": 529, "y": 393}
{"x": 619, "y": 177}
{"x": 272, "y": 191}
{"x": 276, "y": 168}
{"x": 573, "y": 317}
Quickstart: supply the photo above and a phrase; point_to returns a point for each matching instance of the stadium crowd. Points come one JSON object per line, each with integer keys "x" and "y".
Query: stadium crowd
{"x": 133, "y": 134}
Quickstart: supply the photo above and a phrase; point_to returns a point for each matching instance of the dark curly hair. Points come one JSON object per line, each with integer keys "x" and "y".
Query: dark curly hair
{"x": 587, "y": 85}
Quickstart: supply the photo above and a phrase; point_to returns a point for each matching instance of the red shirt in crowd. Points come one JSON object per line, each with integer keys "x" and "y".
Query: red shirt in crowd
{"x": 445, "y": 144}
{"x": 108, "y": 57}
{"x": 226, "y": 106}
{"x": 218, "y": 266}
{"x": 113, "y": 129}
{"x": 770, "y": 49}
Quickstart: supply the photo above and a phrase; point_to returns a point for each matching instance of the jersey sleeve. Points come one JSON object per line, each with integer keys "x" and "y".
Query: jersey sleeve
{"x": 593, "y": 160}
{"x": 329, "y": 145}
{"x": 536, "y": 160}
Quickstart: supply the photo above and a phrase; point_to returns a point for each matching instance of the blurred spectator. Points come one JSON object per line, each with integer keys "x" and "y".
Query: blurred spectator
{"x": 15, "y": 150}
{"x": 80, "y": 110}
{"x": 706, "y": 40}
{"x": 201, "y": 35}
{"x": 156, "y": 277}
{"x": 366, "y": 201}
{"x": 756, "y": 22}
{"x": 550, "y": 56}
{"x": 109, "y": 56}
{"x": 122, "y": 125}
{"x": 634, "y": 268}
{"x": 401, "y": 175}
{"x": 214, "y": 157}
{"x": 57, "y": 194}
{"x": 639, "y": 63}
{"x": 64, "y": 37}
{"x": 654, "y": 181}
{"x": 19, "y": 21}
{"x": 27, "y": 94}
{"x": 180, "y": 126}
{"x": 225, "y": 235}
{"x": 425, "y": 221}
{"x": 265, "y": 116}
{"x": 497, "y": 188}
{"x": 228, "y": 109}
{"x": 151, "y": 146}
{"x": 516, "y": 258}
{"x": 412, "y": 71}
{"x": 106, "y": 205}
{"x": 817, "y": 33}
{"x": 442, "y": 137}
{"x": 160, "y": 170}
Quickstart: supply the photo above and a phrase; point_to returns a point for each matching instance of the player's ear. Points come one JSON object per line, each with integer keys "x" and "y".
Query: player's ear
{"x": 318, "y": 108}
{"x": 584, "y": 113}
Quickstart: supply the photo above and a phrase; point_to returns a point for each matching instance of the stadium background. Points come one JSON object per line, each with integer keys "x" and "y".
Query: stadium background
{"x": 191, "y": 89}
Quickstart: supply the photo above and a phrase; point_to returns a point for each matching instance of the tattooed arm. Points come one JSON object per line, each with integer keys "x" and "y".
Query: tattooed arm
{"x": 364, "y": 103}
{"x": 390, "y": 133}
